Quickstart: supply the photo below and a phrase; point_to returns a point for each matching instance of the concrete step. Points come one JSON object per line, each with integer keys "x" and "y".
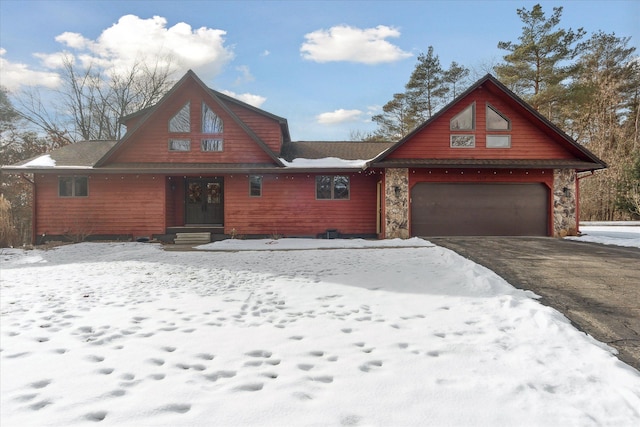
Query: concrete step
{"x": 192, "y": 238}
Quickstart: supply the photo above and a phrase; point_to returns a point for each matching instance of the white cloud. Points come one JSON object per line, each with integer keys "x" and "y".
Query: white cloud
{"x": 265, "y": 53}
{"x": 14, "y": 74}
{"x": 129, "y": 41}
{"x": 245, "y": 75}
{"x": 133, "y": 38}
{"x": 339, "y": 116}
{"x": 345, "y": 43}
{"x": 251, "y": 99}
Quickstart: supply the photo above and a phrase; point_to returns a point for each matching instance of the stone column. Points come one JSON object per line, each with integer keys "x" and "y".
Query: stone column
{"x": 396, "y": 196}
{"x": 564, "y": 203}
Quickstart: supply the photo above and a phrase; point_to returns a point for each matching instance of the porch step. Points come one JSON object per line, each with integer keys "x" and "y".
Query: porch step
{"x": 192, "y": 238}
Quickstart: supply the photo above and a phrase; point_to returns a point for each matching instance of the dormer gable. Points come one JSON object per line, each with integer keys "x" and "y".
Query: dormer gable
{"x": 191, "y": 124}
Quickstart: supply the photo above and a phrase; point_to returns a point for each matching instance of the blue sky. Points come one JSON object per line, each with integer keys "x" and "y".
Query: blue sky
{"x": 325, "y": 66}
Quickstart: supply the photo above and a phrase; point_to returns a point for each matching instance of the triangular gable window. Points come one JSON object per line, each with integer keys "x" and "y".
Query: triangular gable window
{"x": 211, "y": 122}
{"x": 496, "y": 120}
{"x": 464, "y": 120}
{"x": 181, "y": 122}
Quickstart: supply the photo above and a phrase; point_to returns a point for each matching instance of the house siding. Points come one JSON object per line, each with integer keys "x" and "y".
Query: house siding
{"x": 527, "y": 140}
{"x": 116, "y": 205}
{"x": 152, "y": 138}
{"x": 267, "y": 129}
{"x": 288, "y": 207}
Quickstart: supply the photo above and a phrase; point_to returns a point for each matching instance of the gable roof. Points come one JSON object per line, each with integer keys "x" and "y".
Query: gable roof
{"x": 190, "y": 75}
{"x": 586, "y": 160}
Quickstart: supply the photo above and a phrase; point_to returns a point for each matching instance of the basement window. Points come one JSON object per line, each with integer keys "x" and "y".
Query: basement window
{"x": 332, "y": 187}
{"x": 73, "y": 186}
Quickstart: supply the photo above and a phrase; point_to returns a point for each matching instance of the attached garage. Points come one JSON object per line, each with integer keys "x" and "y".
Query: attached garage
{"x": 479, "y": 209}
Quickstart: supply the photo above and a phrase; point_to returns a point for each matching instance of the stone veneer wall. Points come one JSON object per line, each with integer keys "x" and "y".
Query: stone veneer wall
{"x": 564, "y": 203}
{"x": 396, "y": 196}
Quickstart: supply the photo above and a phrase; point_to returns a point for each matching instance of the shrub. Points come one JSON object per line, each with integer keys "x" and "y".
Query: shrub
{"x": 8, "y": 232}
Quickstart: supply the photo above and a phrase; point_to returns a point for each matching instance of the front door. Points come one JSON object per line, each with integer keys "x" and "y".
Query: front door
{"x": 204, "y": 201}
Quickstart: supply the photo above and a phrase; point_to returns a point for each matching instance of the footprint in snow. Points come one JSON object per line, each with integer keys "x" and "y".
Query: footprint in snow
{"x": 176, "y": 407}
{"x": 371, "y": 365}
{"x": 259, "y": 353}
{"x": 96, "y": 416}
{"x": 250, "y": 387}
{"x": 157, "y": 362}
{"x": 322, "y": 378}
{"x": 215, "y": 376}
{"x": 205, "y": 356}
{"x": 40, "y": 384}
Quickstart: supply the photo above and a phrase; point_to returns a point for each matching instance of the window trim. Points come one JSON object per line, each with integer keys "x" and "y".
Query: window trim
{"x": 466, "y": 135}
{"x": 173, "y": 150}
{"x": 333, "y": 184}
{"x": 508, "y": 136}
{"x": 260, "y": 181}
{"x": 73, "y": 186}
{"x": 495, "y": 110}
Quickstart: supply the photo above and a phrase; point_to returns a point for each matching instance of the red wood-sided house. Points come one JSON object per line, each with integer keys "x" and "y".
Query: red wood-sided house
{"x": 487, "y": 164}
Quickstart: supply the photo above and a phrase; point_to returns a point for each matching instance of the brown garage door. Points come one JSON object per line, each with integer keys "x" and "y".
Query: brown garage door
{"x": 479, "y": 209}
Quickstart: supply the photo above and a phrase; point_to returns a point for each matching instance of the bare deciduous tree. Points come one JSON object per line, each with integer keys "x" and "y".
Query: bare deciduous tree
{"x": 91, "y": 101}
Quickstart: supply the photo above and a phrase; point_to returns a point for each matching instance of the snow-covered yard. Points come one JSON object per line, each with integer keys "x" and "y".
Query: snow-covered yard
{"x": 611, "y": 233}
{"x": 405, "y": 335}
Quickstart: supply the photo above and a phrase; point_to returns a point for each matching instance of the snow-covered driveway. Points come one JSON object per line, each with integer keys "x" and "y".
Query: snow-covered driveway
{"x": 129, "y": 334}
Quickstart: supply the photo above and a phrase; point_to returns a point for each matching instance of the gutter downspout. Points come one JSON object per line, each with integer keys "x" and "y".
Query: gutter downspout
{"x": 33, "y": 207}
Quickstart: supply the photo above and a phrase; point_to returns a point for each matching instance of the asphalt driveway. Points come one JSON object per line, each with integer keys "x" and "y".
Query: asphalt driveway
{"x": 596, "y": 286}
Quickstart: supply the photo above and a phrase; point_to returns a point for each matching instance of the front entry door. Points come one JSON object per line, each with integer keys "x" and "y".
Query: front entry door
{"x": 204, "y": 201}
